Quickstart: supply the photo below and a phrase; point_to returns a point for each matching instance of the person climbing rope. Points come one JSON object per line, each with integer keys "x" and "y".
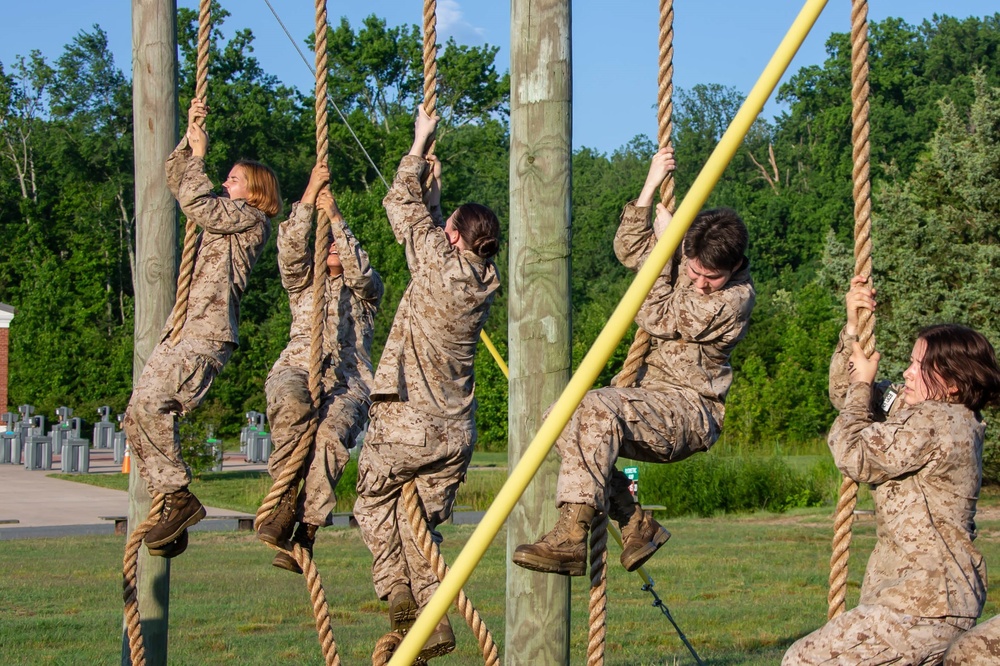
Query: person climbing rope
{"x": 697, "y": 311}
{"x": 353, "y": 293}
{"x": 183, "y": 365}
{"x": 423, "y": 404}
{"x": 920, "y": 448}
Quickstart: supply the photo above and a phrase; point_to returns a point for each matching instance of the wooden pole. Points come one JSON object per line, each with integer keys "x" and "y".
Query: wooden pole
{"x": 539, "y": 306}
{"x": 154, "y": 110}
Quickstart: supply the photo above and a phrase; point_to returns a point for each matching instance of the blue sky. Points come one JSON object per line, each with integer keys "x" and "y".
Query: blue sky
{"x": 614, "y": 44}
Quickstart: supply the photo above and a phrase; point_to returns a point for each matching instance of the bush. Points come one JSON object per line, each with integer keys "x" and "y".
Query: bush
{"x": 706, "y": 485}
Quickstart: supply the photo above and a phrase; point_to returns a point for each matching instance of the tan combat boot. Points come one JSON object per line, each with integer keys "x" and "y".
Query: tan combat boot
{"x": 305, "y": 536}
{"x": 564, "y": 549}
{"x": 641, "y": 534}
{"x": 181, "y": 510}
{"x": 172, "y": 549}
{"x": 440, "y": 642}
{"x": 402, "y": 608}
{"x": 276, "y": 528}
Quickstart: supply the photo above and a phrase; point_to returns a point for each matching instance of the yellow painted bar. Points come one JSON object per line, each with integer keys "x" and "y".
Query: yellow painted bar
{"x": 608, "y": 339}
{"x": 496, "y": 354}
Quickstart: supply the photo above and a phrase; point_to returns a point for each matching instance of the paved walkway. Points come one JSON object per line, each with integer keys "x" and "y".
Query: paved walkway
{"x": 33, "y": 504}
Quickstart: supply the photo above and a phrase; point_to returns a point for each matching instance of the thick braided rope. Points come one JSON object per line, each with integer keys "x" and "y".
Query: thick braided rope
{"x": 430, "y": 72}
{"x": 290, "y": 474}
{"x": 321, "y": 610}
{"x": 418, "y": 523}
{"x": 133, "y": 623}
{"x": 637, "y": 352}
{"x": 665, "y": 95}
{"x": 179, "y": 313}
{"x": 430, "y": 60}
{"x": 862, "y": 266}
{"x": 598, "y": 589}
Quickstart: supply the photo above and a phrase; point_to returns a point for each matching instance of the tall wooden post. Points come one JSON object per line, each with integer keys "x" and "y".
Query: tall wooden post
{"x": 539, "y": 311}
{"x": 154, "y": 110}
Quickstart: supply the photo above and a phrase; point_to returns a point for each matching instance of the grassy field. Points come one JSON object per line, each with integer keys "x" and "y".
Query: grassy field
{"x": 742, "y": 588}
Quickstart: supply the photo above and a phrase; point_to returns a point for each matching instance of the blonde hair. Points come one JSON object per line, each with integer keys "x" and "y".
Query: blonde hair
{"x": 263, "y": 192}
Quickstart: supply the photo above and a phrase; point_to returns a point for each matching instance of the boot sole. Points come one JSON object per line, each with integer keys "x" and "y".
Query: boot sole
{"x": 439, "y": 646}
{"x": 172, "y": 549}
{"x": 286, "y": 562}
{"x": 545, "y": 565}
{"x": 194, "y": 519}
{"x": 402, "y": 616}
{"x": 438, "y": 650}
{"x": 641, "y": 556}
{"x": 275, "y": 539}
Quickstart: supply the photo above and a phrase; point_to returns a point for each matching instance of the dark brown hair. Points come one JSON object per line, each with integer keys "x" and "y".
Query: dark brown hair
{"x": 479, "y": 228}
{"x": 957, "y": 355}
{"x": 263, "y": 192}
{"x": 718, "y": 239}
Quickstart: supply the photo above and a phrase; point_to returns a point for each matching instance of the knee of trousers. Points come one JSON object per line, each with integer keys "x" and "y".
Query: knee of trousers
{"x": 593, "y": 416}
{"x": 289, "y": 408}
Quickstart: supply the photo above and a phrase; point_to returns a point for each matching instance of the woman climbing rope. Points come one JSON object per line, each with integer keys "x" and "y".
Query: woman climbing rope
{"x": 353, "y": 291}
{"x": 423, "y": 407}
{"x": 920, "y": 447}
{"x": 192, "y": 352}
{"x": 698, "y": 310}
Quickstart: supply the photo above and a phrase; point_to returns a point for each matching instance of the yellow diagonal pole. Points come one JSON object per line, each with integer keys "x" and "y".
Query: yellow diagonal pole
{"x": 593, "y": 363}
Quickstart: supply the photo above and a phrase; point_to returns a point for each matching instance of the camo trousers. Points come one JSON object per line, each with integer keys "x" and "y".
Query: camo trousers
{"x": 404, "y": 444}
{"x": 289, "y": 410}
{"x": 173, "y": 382}
{"x": 871, "y": 635}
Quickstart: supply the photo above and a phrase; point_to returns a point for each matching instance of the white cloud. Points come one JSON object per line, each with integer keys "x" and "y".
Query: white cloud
{"x": 451, "y": 23}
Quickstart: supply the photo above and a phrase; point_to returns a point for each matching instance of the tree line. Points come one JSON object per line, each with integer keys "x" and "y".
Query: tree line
{"x": 67, "y": 221}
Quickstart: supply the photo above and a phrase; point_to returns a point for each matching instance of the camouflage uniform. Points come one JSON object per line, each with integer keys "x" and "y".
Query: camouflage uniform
{"x": 423, "y": 411}
{"x": 925, "y": 582}
{"x": 977, "y": 647}
{"x": 352, "y": 299}
{"x": 176, "y": 377}
{"x": 678, "y": 406}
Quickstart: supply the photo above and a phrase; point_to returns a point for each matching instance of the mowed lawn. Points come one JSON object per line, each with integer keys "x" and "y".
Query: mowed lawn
{"x": 741, "y": 588}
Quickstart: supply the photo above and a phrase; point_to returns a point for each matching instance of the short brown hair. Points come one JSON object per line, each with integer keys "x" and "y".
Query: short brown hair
{"x": 479, "y": 227}
{"x": 957, "y": 355}
{"x": 718, "y": 239}
{"x": 263, "y": 192}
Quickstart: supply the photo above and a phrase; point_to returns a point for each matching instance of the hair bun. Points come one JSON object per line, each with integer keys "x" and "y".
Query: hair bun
{"x": 486, "y": 247}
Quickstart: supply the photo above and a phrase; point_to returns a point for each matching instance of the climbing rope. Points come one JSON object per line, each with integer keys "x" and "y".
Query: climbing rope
{"x": 177, "y": 317}
{"x": 386, "y": 646}
{"x": 848, "y": 499}
{"x": 642, "y": 342}
{"x": 432, "y": 553}
{"x": 179, "y": 313}
{"x": 293, "y": 470}
{"x": 133, "y": 623}
{"x": 430, "y": 62}
{"x": 598, "y": 589}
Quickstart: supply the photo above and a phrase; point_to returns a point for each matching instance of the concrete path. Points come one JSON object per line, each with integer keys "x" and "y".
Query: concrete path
{"x": 33, "y": 504}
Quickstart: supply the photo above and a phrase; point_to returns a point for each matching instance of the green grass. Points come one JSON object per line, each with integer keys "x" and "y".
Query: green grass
{"x": 741, "y": 588}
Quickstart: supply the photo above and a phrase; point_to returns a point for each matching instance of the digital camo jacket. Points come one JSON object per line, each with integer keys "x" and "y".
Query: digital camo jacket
{"x": 924, "y": 465}
{"x": 232, "y": 237}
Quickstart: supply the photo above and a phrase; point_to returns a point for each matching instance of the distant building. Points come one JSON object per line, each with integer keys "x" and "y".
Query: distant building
{"x": 6, "y": 314}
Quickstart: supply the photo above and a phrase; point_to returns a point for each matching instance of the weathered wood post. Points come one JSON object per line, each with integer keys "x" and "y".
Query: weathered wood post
{"x": 539, "y": 311}
{"x": 154, "y": 110}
